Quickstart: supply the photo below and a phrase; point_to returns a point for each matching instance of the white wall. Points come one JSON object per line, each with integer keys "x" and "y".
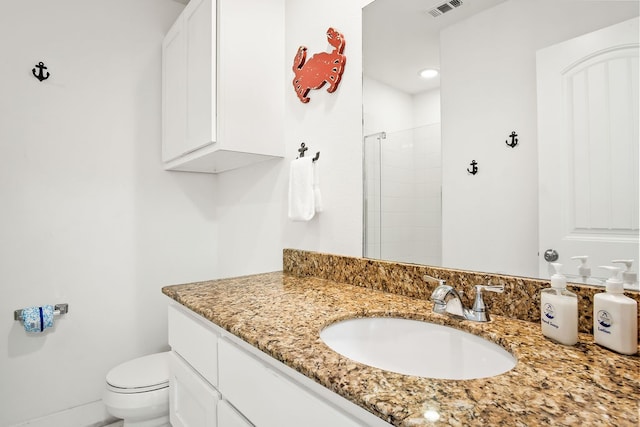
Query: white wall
{"x": 385, "y": 109}
{"x": 426, "y": 108}
{"x": 88, "y": 215}
{"x": 488, "y": 90}
{"x": 330, "y": 123}
{"x": 252, "y": 203}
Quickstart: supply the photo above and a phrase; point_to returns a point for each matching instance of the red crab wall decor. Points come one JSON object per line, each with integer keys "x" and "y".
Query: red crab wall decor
{"x": 321, "y": 68}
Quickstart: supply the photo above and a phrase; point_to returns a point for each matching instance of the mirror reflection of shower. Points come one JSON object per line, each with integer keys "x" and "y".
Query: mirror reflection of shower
{"x": 402, "y": 195}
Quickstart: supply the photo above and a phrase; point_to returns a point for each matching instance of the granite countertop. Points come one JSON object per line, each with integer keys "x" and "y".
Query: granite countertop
{"x": 282, "y": 315}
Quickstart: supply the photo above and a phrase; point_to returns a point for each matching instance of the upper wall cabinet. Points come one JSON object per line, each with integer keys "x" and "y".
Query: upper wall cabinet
{"x": 223, "y": 85}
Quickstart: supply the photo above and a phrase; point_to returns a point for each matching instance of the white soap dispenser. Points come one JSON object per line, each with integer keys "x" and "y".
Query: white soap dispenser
{"x": 584, "y": 271}
{"x": 629, "y": 278}
{"x": 615, "y": 317}
{"x": 559, "y": 310}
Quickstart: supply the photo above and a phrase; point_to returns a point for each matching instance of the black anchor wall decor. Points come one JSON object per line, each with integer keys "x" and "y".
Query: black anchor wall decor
{"x": 474, "y": 167}
{"x": 40, "y": 75}
{"x": 514, "y": 139}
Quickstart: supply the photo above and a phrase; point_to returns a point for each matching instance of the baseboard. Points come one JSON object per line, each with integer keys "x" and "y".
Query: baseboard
{"x": 93, "y": 414}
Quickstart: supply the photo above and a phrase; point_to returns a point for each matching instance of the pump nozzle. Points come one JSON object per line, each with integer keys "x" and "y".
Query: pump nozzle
{"x": 627, "y": 262}
{"x": 558, "y": 280}
{"x": 614, "y": 284}
{"x": 628, "y": 276}
{"x": 583, "y": 270}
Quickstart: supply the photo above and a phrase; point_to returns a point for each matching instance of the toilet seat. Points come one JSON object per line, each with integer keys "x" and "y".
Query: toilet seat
{"x": 141, "y": 375}
{"x": 137, "y": 389}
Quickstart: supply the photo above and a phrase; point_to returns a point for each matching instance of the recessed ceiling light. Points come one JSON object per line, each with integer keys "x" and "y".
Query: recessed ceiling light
{"x": 428, "y": 73}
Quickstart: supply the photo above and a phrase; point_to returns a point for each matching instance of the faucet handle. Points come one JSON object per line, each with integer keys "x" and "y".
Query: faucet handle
{"x": 430, "y": 279}
{"x": 479, "y": 308}
{"x": 491, "y": 288}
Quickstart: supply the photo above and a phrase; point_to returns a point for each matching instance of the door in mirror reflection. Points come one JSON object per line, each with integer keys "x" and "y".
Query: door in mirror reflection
{"x": 588, "y": 142}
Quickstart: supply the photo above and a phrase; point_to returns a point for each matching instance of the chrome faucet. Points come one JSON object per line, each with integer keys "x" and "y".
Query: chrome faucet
{"x": 447, "y": 301}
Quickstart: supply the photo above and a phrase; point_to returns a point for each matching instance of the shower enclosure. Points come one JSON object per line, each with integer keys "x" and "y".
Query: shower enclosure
{"x": 402, "y": 218}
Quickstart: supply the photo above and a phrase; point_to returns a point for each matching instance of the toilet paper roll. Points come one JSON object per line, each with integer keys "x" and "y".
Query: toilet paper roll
{"x": 37, "y": 319}
{"x": 47, "y": 316}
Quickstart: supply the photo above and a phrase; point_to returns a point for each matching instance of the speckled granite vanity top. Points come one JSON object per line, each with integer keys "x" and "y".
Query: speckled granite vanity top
{"x": 282, "y": 314}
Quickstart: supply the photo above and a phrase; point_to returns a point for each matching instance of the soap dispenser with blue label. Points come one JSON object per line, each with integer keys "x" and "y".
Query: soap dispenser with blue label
{"x": 559, "y": 310}
{"x": 615, "y": 317}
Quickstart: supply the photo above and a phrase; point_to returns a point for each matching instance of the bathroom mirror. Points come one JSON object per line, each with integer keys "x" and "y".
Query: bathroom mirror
{"x": 454, "y": 174}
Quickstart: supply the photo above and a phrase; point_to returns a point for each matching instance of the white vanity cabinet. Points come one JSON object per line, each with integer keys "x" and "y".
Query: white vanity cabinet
{"x": 217, "y": 379}
{"x": 223, "y": 85}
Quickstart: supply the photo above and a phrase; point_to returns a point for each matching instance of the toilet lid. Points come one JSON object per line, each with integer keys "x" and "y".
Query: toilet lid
{"x": 142, "y": 374}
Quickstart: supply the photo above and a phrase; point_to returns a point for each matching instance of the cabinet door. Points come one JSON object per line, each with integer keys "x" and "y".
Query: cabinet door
{"x": 192, "y": 400}
{"x": 252, "y": 84}
{"x": 194, "y": 341}
{"x": 200, "y": 29}
{"x": 269, "y": 399}
{"x": 226, "y": 78}
{"x": 229, "y": 417}
{"x": 174, "y": 95}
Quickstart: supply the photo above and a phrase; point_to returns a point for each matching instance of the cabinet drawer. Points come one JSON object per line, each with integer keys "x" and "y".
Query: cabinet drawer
{"x": 191, "y": 338}
{"x": 268, "y": 398}
{"x": 193, "y": 401}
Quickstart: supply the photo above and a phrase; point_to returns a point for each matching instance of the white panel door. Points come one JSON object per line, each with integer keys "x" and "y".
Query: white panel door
{"x": 588, "y": 148}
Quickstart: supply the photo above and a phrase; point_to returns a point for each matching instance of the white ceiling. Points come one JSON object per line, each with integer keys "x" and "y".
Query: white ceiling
{"x": 400, "y": 38}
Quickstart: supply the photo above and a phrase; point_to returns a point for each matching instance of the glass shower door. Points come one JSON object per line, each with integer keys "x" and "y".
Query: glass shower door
{"x": 402, "y": 192}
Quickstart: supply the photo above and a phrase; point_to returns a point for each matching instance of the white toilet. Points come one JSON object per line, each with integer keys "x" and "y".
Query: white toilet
{"x": 138, "y": 391}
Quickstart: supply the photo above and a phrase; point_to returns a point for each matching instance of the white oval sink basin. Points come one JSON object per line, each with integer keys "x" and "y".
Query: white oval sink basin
{"x": 421, "y": 349}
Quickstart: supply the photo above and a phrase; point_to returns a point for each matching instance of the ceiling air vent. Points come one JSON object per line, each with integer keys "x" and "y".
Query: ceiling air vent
{"x": 444, "y": 8}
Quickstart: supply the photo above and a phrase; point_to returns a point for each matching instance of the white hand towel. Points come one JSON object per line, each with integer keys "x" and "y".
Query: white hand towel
{"x": 317, "y": 197}
{"x": 301, "y": 194}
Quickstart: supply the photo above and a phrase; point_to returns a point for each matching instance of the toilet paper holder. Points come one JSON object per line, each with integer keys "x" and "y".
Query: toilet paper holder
{"x": 58, "y": 309}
